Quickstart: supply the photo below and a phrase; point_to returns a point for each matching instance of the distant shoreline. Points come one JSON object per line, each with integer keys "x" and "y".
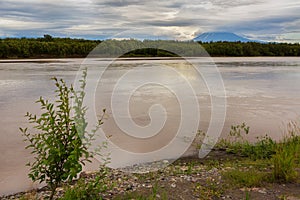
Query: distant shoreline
{"x": 50, "y": 47}
{"x": 51, "y": 58}
{"x": 65, "y": 60}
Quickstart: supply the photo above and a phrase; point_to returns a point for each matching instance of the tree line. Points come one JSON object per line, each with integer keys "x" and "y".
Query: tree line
{"x": 46, "y": 47}
{"x": 251, "y": 49}
{"x": 52, "y": 47}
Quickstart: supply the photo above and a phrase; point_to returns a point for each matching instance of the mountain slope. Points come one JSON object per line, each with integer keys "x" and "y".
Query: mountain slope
{"x": 220, "y": 36}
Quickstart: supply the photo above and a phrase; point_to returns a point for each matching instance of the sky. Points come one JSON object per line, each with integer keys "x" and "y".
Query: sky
{"x": 268, "y": 20}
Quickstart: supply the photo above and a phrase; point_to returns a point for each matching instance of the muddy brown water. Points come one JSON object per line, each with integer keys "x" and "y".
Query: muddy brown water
{"x": 263, "y": 92}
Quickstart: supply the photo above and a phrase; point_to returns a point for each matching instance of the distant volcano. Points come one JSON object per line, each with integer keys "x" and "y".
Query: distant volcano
{"x": 220, "y": 36}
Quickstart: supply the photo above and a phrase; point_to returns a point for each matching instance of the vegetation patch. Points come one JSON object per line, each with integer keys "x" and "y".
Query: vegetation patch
{"x": 246, "y": 178}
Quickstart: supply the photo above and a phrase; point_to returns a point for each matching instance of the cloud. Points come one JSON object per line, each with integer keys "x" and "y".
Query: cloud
{"x": 118, "y": 3}
{"x": 176, "y": 19}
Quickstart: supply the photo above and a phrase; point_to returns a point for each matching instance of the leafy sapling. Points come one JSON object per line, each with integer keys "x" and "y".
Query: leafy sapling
{"x": 60, "y": 143}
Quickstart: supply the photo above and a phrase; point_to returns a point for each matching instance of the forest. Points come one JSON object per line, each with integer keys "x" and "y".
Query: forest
{"x": 53, "y": 47}
{"x": 46, "y": 47}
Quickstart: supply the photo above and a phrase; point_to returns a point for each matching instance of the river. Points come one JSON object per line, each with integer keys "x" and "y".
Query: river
{"x": 264, "y": 92}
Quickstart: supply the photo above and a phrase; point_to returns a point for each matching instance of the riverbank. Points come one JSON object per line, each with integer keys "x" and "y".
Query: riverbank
{"x": 221, "y": 175}
{"x": 234, "y": 169}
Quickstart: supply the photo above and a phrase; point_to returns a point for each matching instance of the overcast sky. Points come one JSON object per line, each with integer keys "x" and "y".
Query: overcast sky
{"x": 271, "y": 20}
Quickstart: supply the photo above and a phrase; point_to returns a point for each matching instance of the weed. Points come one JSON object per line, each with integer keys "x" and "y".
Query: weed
{"x": 246, "y": 178}
{"x": 209, "y": 190}
{"x": 284, "y": 163}
{"x": 89, "y": 189}
{"x": 247, "y": 197}
{"x": 154, "y": 194}
{"x": 264, "y": 148}
{"x": 287, "y": 155}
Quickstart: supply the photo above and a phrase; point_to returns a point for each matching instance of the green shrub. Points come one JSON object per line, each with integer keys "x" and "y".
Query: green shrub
{"x": 60, "y": 145}
{"x": 264, "y": 148}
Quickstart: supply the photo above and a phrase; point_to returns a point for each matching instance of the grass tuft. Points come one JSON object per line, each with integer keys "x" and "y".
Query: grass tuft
{"x": 248, "y": 178}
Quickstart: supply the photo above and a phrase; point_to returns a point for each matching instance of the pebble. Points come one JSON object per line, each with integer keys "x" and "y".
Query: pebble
{"x": 262, "y": 191}
{"x": 165, "y": 161}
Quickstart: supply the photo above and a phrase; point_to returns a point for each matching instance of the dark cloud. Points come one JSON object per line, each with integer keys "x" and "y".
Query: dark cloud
{"x": 265, "y": 29}
{"x": 43, "y": 11}
{"x": 176, "y": 19}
